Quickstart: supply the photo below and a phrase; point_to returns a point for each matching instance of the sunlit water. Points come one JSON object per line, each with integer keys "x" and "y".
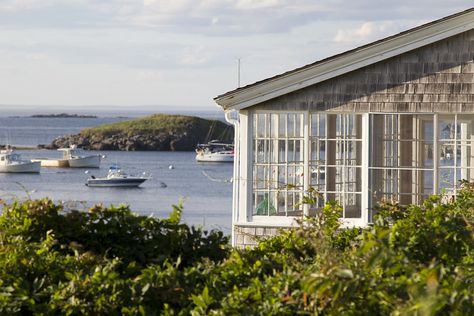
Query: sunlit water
{"x": 205, "y": 188}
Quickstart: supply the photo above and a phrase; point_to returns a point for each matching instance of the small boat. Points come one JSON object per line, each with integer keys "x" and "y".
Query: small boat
{"x": 47, "y": 162}
{"x": 76, "y": 158}
{"x": 215, "y": 151}
{"x": 116, "y": 178}
{"x": 12, "y": 162}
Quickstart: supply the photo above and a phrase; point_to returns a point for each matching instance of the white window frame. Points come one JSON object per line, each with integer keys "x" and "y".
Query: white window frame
{"x": 455, "y": 143}
{"x": 273, "y": 220}
{"x": 287, "y": 221}
{"x": 245, "y": 210}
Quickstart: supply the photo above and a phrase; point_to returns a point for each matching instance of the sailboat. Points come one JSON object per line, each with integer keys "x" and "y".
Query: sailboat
{"x": 215, "y": 151}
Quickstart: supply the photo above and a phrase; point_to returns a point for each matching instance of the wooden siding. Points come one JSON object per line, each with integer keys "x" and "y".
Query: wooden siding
{"x": 435, "y": 78}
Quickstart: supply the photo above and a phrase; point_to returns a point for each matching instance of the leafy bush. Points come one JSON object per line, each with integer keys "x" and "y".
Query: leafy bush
{"x": 412, "y": 260}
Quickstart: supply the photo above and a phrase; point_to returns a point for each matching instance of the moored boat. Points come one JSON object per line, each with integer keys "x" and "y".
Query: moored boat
{"x": 12, "y": 162}
{"x": 47, "y": 162}
{"x": 116, "y": 178}
{"x": 76, "y": 158}
{"x": 215, "y": 151}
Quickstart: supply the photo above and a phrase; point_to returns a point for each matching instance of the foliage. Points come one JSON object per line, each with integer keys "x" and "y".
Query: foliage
{"x": 415, "y": 260}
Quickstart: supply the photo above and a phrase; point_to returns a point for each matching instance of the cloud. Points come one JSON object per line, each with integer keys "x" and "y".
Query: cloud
{"x": 144, "y": 50}
{"x": 366, "y": 32}
{"x": 258, "y": 4}
{"x": 215, "y": 17}
{"x": 194, "y": 56}
{"x": 223, "y": 17}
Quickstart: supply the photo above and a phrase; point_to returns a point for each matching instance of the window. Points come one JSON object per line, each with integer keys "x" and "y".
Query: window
{"x": 401, "y": 161}
{"x": 414, "y": 156}
{"x": 336, "y": 160}
{"x": 407, "y": 157}
{"x": 456, "y": 159}
{"x": 278, "y": 160}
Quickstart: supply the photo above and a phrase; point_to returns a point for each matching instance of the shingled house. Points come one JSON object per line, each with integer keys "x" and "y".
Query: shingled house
{"x": 391, "y": 120}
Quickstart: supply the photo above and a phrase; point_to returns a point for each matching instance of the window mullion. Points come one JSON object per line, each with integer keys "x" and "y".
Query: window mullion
{"x": 455, "y": 149}
{"x": 306, "y": 157}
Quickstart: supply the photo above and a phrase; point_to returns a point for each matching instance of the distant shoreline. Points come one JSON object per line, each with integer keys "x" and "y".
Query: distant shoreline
{"x": 20, "y": 147}
{"x": 63, "y": 115}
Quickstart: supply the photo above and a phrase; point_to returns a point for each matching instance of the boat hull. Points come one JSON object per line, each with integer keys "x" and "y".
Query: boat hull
{"x": 85, "y": 162}
{"x": 215, "y": 157}
{"x": 128, "y": 182}
{"x": 62, "y": 163}
{"x": 27, "y": 167}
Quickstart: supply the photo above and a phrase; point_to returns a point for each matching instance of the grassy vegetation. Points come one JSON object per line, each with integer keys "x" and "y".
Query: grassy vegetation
{"x": 163, "y": 123}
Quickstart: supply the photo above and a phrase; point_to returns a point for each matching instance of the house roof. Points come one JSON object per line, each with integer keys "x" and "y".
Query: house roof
{"x": 348, "y": 61}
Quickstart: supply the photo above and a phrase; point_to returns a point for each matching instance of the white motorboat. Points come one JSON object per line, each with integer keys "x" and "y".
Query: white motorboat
{"x": 12, "y": 162}
{"x": 214, "y": 151}
{"x": 77, "y": 158}
{"x": 48, "y": 162}
{"x": 116, "y": 178}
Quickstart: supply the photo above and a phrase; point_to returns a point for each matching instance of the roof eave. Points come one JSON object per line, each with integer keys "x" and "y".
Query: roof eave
{"x": 333, "y": 67}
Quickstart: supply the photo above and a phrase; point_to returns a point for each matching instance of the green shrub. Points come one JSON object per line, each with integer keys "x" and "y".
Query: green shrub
{"x": 415, "y": 260}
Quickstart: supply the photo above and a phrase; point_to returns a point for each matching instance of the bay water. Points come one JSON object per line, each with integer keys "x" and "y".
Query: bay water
{"x": 205, "y": 188}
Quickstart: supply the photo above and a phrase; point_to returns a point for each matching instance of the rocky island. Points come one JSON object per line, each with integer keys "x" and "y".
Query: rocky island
{"x": 62, "y": 115}
{"x": 156, "y": 132}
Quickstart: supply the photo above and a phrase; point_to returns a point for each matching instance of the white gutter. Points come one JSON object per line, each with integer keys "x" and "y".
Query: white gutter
{"x": 236, "y": 173}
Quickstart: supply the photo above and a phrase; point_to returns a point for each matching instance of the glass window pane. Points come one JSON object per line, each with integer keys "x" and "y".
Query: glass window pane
{"x": 446, "y": 154}
{"x": 260, "y": 128}
{"x": 446, "y": 179}
{"x": 427, "y": 180}
{"x": 426, "y": 154}
{"x": 282, "y": 178}
{"x": 282, "y": 151}
{"x": 353, "y": 153}
{"x": 322, "y": 125}
{"x": 446, "y": 127}
{"x": 466, "y": 174}
{"x": 353, "y": 180}
{"x": 281, "y": 200}
{"x": 318, "y": 176}
{"x": 299, "y": 151}
{"x": 383, "y": 185}
{"x": 291, "y": 151}
{"x": 274, "y": 125}
{"x": 314, "y": 125}
{"x": 298, "y": 125}
{"x": 291, "y": 125}
{"x": 282, "y": 125}
{"x": 274, "y": 178}
{"x": 353, "y": 206}
{"x": 260, "y": 206}
{"x": 273, "y": 202}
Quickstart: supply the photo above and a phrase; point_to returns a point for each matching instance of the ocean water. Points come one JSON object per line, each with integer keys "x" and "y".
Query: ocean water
{"x": 205, "y": 188}
{"x": 31, "y": 131}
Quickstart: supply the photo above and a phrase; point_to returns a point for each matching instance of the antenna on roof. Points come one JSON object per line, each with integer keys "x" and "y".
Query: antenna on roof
{"x": 238, "y": 72}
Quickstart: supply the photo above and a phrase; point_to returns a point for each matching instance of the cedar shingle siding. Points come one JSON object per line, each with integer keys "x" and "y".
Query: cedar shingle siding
{"x": 435, "y": 78}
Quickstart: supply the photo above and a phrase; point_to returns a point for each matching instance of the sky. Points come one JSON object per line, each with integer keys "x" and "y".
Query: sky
{"x": 179, "y": 53}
